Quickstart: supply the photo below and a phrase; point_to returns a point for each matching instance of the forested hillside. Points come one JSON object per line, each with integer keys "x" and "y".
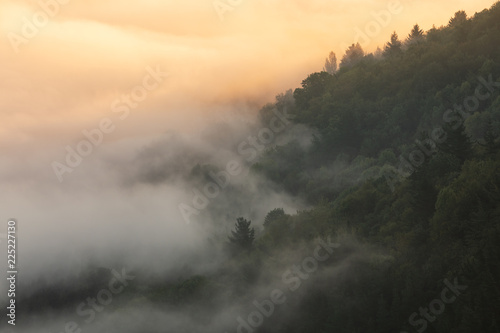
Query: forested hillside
{"x": 403, "y": 181}
{"x": 408, "y": 159}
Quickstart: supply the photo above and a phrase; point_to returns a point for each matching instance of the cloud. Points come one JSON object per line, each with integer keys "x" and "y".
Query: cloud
{"x": 91, "y": 52}
{"x": 121, "y": 203}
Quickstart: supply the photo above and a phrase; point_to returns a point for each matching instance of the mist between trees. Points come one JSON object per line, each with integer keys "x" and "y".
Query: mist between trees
{"x": 403, "y": 248}
{"x": 249, "y": 149}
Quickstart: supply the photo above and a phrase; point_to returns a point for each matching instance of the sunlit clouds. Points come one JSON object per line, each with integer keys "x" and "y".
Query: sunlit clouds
{"x": 90, "y": 52}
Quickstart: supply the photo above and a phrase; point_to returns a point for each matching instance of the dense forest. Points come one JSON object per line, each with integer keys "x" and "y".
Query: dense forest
{"x": 402, "y": 177}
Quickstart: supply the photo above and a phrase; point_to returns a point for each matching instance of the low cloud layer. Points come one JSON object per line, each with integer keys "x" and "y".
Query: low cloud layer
{"x": 120, "y": 204}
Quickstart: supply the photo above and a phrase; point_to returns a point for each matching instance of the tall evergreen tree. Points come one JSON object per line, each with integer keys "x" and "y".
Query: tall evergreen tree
{"x": 393, "y": 47}
{"x": 331, "y": 63}
{"x": 415, "y": 36}
{"x": 490, "y": 139}
{"x": 459, "y": 18}
{"x": 352, "y": 55}
{"x": 458, "y": 23}
{"x": 243, "y": 235}
{"x": 457, "y": 143}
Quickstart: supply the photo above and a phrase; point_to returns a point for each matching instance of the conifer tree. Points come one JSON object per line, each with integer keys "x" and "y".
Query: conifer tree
{"x": 331, "y": 63}
{"x": 243, "y": 235}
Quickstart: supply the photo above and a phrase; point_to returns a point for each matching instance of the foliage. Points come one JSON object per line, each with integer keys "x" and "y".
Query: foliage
{"x": 331, "y": 63}
{"x": 441, "y": 222}
{"x": 243, "y": 236}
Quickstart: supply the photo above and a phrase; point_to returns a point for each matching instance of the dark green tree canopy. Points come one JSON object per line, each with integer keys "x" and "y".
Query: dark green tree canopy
{"x": 312, "y": 87}
{"x": 352, "y": 55}
{"x": 243, "y": 236}
{"x": 458, "y": 142}
{"x": 459, "y": 18}
{"x": 415, "y": 36}
{"x": 393, "y": 47}
{"x": 273, "y": 215}
{"x": 416, "y": 32}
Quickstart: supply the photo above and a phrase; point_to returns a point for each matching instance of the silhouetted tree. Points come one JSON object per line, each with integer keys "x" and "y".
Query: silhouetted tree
{"x": 273, "y": 215}
{"x": 458, "y": 23}
{"x": 313, "y": 86}
{"x": 331, "y": 63}
{"x": 352, "y": 55}
{"x": 393, "y": 47}
{"x": 416, "y": 35}
{"x": 416, "y": 32}
{"x": 243, "y": 235}
{"x": 459, "y": 18}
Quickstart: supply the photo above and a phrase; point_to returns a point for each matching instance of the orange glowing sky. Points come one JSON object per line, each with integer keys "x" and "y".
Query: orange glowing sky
{"x": 64, "y": 78}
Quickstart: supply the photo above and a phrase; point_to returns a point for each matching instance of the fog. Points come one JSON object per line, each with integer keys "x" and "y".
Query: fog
{"x": 125, "y": 193}
{"x": 132, "y": 201}
{"x": 119, "y": 210}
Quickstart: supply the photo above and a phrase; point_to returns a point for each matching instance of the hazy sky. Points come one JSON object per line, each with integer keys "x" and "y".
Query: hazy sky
{"x": 65, "y": 76}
